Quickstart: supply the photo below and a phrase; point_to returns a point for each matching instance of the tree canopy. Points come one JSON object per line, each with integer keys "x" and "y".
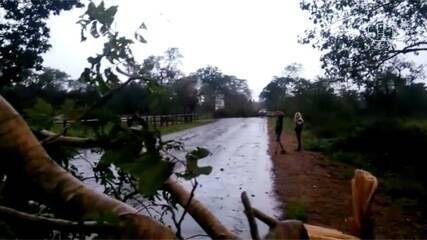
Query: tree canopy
{"x": 359, "y": 38}
{"x": 24, "y": 35}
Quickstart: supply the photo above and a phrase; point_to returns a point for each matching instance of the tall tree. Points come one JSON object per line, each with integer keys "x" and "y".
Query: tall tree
{"x": 274, "y": 94}
{"x": 359, "y": 38}
{"x": 212, "y": 85}
{"x": 24, "y": 35}
{"x": 185, "y": 94}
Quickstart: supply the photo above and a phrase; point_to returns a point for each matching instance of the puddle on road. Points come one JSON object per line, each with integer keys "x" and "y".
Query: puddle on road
{"x": 240, "y": 162}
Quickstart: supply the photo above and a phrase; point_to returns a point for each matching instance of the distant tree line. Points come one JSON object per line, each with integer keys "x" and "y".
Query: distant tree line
{"x": 325, "y": 101}
{"x": 168, "y": 91}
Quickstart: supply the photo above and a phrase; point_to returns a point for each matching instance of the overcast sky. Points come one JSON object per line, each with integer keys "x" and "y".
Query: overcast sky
{"x": 252, "y": 39}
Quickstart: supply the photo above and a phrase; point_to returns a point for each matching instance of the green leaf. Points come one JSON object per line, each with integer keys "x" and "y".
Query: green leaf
{"x": 117, "y": 157}
{"x": 151, "y": 172}
{"x": 82, "y": 35}
{"x": 94, "y": 30}
{"x": 112, "y": 78}
{"x": 153, "y": 176}
{"x": 143, "y": 26}
{"x": 193, "y": 170}
{"x": 40, "y": 115}
{"x": 101, "y": 217}
{"x": 110, "y": 13}
{"x": 69, "y": 110}
{"x": 140, "y": 38}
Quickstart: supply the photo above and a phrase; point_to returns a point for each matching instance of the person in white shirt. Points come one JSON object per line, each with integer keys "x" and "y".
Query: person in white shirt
{"x": 299, "y": 124}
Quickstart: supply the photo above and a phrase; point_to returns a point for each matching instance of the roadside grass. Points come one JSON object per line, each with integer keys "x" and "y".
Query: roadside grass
{"x": 415, "y": 122}
{"x": 180, "y": 127}
{"x": 399, "y": 178}
{"x": 83, "y": 131}
{"x": 296, "y": 209}
{"x": 392, "y": 150}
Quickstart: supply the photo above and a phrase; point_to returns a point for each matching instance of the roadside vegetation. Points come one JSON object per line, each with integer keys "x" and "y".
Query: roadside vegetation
{"x": 296, "y": 209}
{"x": 368, "y": 110}
{"x": 180, "y": 127}
{"x": 381, "y": 129}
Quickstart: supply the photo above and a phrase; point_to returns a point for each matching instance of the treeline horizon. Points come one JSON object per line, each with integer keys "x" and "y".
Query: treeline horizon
{"x": 164, "y": 90}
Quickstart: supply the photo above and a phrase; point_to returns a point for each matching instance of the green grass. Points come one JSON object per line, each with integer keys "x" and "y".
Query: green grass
{"x": 296, "y": 209}
{"x": 79, "y": 131}
{"x": 180, "y": 127}
{"x": 417, "y": 122}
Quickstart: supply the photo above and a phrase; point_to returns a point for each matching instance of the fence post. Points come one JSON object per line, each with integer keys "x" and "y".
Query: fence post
{"x": 64, "y": 126}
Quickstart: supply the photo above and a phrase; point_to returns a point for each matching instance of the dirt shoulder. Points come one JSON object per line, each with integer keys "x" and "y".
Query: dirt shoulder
{"x": 323, "y": 187}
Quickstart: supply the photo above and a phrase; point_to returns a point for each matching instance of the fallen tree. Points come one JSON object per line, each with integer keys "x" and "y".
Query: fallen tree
{"x": 45, "y": 223}
{"x": 60, "y": 186}
{"x": 73, "y": 195}
{"x": 205, "y": 218}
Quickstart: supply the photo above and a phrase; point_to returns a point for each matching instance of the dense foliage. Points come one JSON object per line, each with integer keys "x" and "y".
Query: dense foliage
{"x": 359, "y": 38}
{"x": 24, "y": 35}
{"x": 381, "y": 128}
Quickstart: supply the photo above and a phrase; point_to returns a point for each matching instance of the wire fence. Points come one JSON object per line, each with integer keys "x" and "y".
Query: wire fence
{"x": 152, "y": 120}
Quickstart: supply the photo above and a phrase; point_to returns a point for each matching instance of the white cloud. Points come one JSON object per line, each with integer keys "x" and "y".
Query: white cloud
{"x": 251, "y": 39}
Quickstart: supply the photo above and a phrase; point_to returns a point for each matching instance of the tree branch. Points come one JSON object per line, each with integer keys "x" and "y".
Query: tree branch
{"x": 249, "y": 214}
{"x": 178, "y": 232}
{"x": 69, "y": 141}
{"x": 205, "y": 218}
{"x": 212, "y": 226}
{"x": 13, "y": 216}
{"x": 70, "y": 195}
{"x": 271, "y": 222}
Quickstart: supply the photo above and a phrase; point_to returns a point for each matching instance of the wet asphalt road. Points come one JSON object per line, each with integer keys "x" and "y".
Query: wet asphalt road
{"x": 240, "y": 162}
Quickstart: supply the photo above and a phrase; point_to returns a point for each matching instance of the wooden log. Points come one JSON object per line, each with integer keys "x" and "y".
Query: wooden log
{"x": 204, "y": 217}
{"x": 323, "y": 233}
{"x": 363, "y": 188}
{"x": 249, "y": 214}
{"x": 67, "y": 192}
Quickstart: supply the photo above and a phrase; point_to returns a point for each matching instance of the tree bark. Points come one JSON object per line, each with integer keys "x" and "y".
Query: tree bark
{"x": 250, "y": 215}
{"x": 205, "y": 218}
{"x": 60, "y": 186}
{"x": 13, "y": 216}
{"x": 77, "y": 142}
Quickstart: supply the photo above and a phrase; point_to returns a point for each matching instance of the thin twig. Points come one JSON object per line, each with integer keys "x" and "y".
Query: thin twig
{"x": 197, "y": 235}
{"x": 195, "y": 184}
{"x": 13, "y": 216}
{"x": 249, "y": 214}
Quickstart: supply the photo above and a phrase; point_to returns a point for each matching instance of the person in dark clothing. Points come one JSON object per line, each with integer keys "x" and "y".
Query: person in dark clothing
{"x": 299, "y": 124}
{"x": 278, "y": 130}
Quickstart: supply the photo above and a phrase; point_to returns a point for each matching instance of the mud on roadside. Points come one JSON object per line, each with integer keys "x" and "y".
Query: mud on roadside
{"x": 316, "y": 189}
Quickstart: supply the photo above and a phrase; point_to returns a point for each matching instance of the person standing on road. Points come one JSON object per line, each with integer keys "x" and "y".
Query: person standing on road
{"x": 278, "y": 130}
{"x": 299, "y": 124}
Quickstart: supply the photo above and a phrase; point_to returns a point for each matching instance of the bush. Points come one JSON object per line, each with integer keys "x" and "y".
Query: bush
{"x": 296, "y": 210}
{"x": 393, "y": 151}
{"x": 390, "y": 145}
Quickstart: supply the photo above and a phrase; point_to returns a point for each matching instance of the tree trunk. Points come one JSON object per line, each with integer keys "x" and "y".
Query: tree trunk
{"x": 205, "y": 218}
{"x": 60, "y": 186}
